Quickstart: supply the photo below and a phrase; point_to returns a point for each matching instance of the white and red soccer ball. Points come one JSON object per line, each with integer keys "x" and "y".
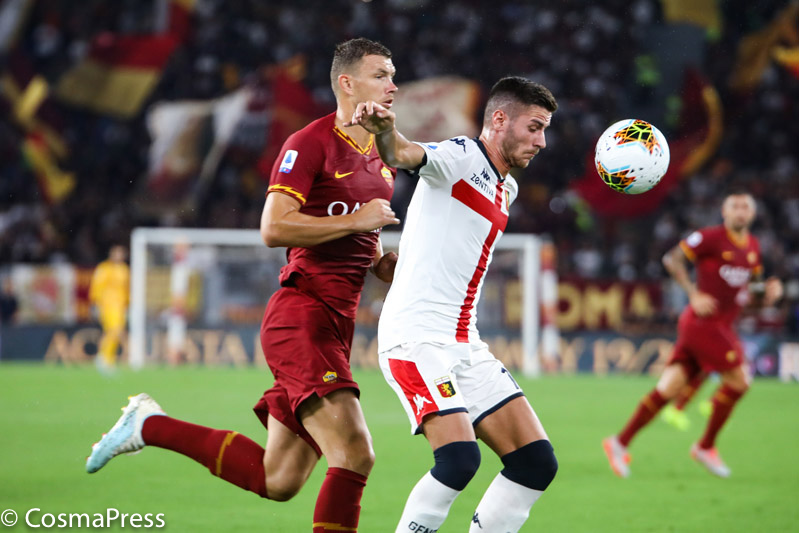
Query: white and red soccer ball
{"x": 631, "y": 156}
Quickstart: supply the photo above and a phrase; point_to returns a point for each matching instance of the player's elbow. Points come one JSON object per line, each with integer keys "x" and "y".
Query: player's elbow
{"x": 271, "y": 234}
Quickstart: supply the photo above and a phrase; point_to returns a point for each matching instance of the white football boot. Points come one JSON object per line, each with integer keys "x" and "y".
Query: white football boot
{"x": 125, "y": 436}
{"x": 618, "y": 456}
{"x": 711, "y": 460}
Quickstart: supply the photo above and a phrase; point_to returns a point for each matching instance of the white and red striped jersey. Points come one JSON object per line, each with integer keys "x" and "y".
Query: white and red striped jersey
{"x": 458, "y": 212}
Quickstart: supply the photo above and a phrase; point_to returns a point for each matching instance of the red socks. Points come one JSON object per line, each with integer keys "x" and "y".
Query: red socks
{"x": 238, "y": 460}
{"x": 723, "y": 402}
{"x": 646, "y": 411}
{"x": 339, "y": 503}
{"x": 227, "y": 454}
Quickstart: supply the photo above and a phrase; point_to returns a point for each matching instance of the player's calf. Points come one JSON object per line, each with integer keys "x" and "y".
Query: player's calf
{"x": 429, "y": 502}
{"x": 506, "y": 504}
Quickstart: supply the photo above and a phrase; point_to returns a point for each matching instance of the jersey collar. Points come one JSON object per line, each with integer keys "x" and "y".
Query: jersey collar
{"x": 349, "y": 140}
{"x": 482, "y": 147}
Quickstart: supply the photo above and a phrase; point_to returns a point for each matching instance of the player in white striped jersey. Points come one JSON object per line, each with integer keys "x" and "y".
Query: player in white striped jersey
{"x": 452, "y": 388}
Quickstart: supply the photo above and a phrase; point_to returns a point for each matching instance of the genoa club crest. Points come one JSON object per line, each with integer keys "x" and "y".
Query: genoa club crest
{"x": 445, "y": 387}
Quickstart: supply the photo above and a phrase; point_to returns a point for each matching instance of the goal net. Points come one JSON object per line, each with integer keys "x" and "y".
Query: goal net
{"x": 198, "y": 296}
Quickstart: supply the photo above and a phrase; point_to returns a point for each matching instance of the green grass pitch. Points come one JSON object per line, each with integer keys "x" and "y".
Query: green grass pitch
{"x": 50, "y": 415}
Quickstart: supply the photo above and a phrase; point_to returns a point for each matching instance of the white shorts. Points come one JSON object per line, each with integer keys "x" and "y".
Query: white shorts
{"x": 437, "y": 378}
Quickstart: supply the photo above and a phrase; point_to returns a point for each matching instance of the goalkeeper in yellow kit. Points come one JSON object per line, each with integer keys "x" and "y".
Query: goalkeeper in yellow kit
{"x": 110, "y": 292}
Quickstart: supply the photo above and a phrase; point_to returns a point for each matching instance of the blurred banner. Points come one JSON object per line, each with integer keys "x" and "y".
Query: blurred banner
{"x": 696, "y": 141}
{"x": 118, "y": 74}
{"x": 757, "y": 50}
{"x": 46, "y": 294}
{"x": 580, "y": 352}
{"x": 589, "y": 304}
{"x": 435, "y": 109}
{"x": 27, "y": 104}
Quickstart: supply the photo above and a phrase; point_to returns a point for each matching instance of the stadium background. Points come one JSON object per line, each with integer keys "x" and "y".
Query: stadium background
{"x": 83, "y": 83}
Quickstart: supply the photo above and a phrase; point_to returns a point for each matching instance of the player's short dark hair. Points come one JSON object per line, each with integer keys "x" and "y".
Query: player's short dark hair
{"x": 517, "y": 90}
{"x": 348, "y": 53}
{"x": 737, "y": 191}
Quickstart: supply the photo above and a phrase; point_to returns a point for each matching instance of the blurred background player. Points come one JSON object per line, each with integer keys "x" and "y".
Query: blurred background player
{"x": 726, "y": 259}
{"x": 327, "y": 201}
{"x": 548, "y": 284}
{"x": 178, "y": 292}
{"x": 110, "y": 293}
{"x": 453, "y": 389}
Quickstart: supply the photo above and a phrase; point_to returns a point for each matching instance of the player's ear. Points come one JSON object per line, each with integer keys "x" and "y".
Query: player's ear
{"x": 498, "y": 119}
{"x": 345, "y": 83}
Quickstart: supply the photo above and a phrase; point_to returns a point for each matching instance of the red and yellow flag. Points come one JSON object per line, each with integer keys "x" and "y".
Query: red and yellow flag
{"x": 118, "y": 74}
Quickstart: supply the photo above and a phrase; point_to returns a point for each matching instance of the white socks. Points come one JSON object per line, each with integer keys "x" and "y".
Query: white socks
{"x": 427, "y": 506}
{"x": 504, "y": 507}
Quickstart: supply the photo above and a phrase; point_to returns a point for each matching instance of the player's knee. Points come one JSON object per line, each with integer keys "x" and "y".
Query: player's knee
{"x": 354, "y": 453}
{"x": 281, "y": 488}
{"x": 456, "y": 463}
{"x": 363, "y": 458}
{"x": 533, "y": 465}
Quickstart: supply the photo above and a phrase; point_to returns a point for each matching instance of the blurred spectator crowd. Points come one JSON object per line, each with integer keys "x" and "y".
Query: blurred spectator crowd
{"x": 590, "y": 55}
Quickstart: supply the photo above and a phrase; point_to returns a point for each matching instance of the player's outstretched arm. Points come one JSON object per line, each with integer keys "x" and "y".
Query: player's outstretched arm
{"x": 675, "y": 263}
{"x": 282, "y": 224}
{"x": 395, "y": 150}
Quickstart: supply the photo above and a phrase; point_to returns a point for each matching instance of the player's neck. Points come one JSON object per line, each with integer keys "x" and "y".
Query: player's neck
{"x": 739, "y": 235}
{"x": 356, "y": 133}
{"x": 494, "y": 154}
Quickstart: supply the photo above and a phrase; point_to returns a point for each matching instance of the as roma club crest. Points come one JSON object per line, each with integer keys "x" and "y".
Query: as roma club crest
{"x": 445, "y": 387}
{"x": 330, "y": 377}
{"x": 386, "y": 173}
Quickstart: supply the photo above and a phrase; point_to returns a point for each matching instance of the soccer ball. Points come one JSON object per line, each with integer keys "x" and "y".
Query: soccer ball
{"x": 631, "y": 156}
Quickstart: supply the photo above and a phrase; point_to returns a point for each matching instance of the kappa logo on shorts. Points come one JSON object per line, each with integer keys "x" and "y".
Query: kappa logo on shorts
{"x": 445, "y": 387}
{"x": 419, "y": 401}
{"x": 330, "y": 377}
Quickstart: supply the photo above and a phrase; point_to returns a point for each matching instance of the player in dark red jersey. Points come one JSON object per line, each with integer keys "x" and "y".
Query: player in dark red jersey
{"x": 327, "y": 200}
{"x": 727, "y": 257}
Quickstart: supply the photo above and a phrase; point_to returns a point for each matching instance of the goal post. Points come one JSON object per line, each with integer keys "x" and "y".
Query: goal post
{"x": 191, "y": 285}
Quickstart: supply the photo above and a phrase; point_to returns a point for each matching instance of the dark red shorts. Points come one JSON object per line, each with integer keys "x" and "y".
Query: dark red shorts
{"x": 706, "y": 345}
{"x": 307, "y": 346}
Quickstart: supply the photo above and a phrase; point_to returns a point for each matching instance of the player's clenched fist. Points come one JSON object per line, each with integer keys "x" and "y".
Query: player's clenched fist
{"x": 372, "y": 117}
{"x": 374, "y": 214}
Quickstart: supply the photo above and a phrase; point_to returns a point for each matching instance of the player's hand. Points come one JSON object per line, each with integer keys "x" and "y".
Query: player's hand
{"x": 703, "y": 304}
{"x": 773, "y": 291}
{"x": 374, "y": 214}
{"x": 384, "y": 268}
{"x": 372, "y": 117}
